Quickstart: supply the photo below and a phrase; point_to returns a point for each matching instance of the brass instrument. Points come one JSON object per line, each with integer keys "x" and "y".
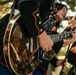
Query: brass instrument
{"x": 21, "y": 53}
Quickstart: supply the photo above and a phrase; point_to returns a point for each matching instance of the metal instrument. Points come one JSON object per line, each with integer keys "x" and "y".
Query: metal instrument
{"x": 21, "y": 53}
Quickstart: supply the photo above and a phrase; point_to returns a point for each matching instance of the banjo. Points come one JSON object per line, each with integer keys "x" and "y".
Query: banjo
{"x": 22, "y": 54}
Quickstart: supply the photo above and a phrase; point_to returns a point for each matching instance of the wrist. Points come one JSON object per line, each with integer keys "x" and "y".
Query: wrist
{"x": 43, "y": 34}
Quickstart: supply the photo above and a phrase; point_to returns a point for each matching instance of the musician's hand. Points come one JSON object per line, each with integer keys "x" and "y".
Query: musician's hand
{"x": 60, "y": 62}
{"x": 45, "y": 41}
{"x": 72, "y": 22}
{"x": 70, "y": 40}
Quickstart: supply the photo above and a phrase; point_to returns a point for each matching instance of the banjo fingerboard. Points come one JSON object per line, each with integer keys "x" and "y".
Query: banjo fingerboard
{"x": 59, "y": 37}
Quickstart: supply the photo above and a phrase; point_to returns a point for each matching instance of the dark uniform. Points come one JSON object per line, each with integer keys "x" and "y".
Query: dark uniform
{"x": 37, "y": 11}
{"x": 56, "y": 47}
{"x": 33, "y": 23}
{"x": 33, "y": 12}
{"x": 3, "y": 24}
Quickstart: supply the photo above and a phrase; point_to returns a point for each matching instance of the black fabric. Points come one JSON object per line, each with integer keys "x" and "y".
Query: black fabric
{"x": 4, "y": 70}
{"x": 72, "y": 56}
{"x": 41, "y": 69}
{"x": 57, "y": 46}
{"x": 3, "y": 24}
{"x": 45, "y": 8}
{"x": 53, "y": 61}
{"x": 29, "y": 17}
{"x": 38, "y": 2}
{"x": 44, "y": 64}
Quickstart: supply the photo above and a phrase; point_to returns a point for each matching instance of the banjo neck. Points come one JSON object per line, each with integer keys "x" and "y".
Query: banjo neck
{"x": 60, "y": 37}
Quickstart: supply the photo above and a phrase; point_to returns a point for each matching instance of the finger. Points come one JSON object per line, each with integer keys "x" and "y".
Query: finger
{"x": 44, "y": 49}
{"x": 47, "y": 49}
{"x": 69, "y": 18}
{"x": 50, "y": 49}
{"x": 74, "y": 32}
{"x": 73, "y": 18}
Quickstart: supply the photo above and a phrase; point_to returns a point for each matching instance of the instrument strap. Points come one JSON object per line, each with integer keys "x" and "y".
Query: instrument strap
{"x": 12, "y": 10}
{"x": 65, "y": 60}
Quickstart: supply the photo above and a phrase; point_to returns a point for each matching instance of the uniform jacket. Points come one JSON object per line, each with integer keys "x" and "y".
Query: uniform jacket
{"x": 33, "y": 12}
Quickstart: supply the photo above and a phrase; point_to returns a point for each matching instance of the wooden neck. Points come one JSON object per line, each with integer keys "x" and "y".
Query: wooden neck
{"x": 60, "y": 37}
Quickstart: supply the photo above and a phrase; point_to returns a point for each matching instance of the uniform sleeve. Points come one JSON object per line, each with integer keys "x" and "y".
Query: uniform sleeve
{"x": 31, "y": 16}
{"x": 57, "y": 46}
{"x": 53, "y": 61}
{"x": 51, "y": 3}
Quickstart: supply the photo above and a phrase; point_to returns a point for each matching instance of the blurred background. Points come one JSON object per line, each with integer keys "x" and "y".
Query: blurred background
{"x": 5, "y": 6}
{"x": 71, "y": 4}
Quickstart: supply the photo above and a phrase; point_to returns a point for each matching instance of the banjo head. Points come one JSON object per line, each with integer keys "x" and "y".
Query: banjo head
{"x": 20, "y": 51}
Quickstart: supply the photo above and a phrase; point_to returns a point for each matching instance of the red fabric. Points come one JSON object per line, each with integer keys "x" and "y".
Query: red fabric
{"x": 5, "y": 66}
{"x": 73, "y": 49}
{"x": 54, "y": 29}
{"x": 31, "y": 74}
{"x": 41, "y": 68}
{"x": 36, "y": 21}
{"x": 5, "y": 48}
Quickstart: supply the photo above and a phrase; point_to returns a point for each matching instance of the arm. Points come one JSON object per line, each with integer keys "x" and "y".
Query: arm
{"x": 70, "y": 40}
{"x": 72, "y": 24}
{"x": 33, "y": 23}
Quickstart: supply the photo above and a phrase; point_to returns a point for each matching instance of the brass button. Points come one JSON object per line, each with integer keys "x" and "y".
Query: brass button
{"x": 51, "y": 12}
{"x": 39, "y": 22}
{"x": 55, "y": 21}
{"x": 41, "y": 30}
{"x": 50, "y": 7}
{"x": 54, "y": 15}
{"x": 37, "y": 14}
